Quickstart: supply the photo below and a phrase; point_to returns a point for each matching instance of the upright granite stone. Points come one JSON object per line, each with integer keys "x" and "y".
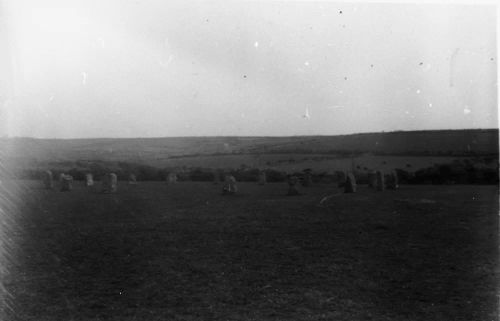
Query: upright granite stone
{"x": 229, "y": 185}
{"x": 109, "y": 183}
{"x": 89, "y": 180}
{"x": 350, "y": 183}
{"x": 262, "y": 178}
{"x": 114, "y": 182}
{"x": 66, "y": 183}
{"x": 292, "y": 186}
{"x": 171, "y": 178}
{"x": 392, "y": 180}
{"x": 380, "y": 181}
{"x": 48, "y": 180}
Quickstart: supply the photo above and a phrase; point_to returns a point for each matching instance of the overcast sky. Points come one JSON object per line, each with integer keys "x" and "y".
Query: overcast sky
{"x": 121, "y": 68}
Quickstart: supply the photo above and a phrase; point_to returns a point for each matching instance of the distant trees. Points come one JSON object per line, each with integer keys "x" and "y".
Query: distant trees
{"x": 275, "y": 176}
{"x": 454, "y": 173}
{"x": 200, "y": 175}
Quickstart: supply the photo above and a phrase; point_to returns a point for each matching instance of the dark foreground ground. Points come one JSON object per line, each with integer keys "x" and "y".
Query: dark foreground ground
{"x": 185, "y": 252}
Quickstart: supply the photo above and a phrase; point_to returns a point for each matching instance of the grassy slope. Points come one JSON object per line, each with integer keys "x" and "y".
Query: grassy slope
{"x": 184, "y": 252}
{"x": 405, "y": 150}
{"x": 150, "y": 149}
{"x": 318, "y": 162}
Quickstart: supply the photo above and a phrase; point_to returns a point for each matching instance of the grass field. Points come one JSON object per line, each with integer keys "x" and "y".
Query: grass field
{"x": 185, "y": 252}
{"x": 319, "y": 162}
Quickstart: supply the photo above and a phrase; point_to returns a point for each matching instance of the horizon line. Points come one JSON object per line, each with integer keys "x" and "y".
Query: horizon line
{"x": 253, "y": 136}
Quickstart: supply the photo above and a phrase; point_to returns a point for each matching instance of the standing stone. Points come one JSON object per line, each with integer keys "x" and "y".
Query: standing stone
{"x": 132, "y": 179}
{"x": 350, "y": 183}
{"x": 262, "y": 178}
{"x": 171, "y": 178}
{"x": 48, "y": 180}
{"x": 229, "y": 185}
{"x": 66, "y": 183}
{"x": 372, "y": 179}
{"x": 392, "y": 180}
{"x": 114, "y": 182}
{"x": 292, "y": 186}
{"x": 109, "y": 183}
{"x": 89, "y": 180}
{"x": 380, "y": 181}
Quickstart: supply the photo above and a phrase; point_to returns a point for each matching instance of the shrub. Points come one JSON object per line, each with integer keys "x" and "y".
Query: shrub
{"x": 361, "y": 178}
{"x": 404, "y": 177}
{"x": 323, "y": 177}
{"x": 275, "y": 176}
{"x": 199, "y": 175}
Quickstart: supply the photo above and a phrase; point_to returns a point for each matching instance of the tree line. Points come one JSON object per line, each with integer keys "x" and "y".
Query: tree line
{"x": 459, "y": 172}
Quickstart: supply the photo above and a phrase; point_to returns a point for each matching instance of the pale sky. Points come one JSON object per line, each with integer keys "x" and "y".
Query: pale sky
{"x": 123, "y": 68}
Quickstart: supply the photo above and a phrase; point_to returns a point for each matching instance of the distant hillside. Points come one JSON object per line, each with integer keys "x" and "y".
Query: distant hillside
{"x": 150, "y": 150}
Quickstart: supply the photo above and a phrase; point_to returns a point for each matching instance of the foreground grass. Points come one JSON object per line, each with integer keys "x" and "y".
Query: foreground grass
{"x": 185, "y": 252}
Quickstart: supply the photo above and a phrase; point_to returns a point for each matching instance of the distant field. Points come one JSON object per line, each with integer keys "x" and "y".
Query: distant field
{"x": 318, "y": 162}
{"x": 185, "y": 252}
{"x": 439, "y": 142}
{"x": 409, "y": 151}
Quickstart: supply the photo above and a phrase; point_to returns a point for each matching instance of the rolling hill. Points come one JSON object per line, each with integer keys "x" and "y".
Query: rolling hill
{"x": 441, "y": 142}
{"x": 412, "y": 149}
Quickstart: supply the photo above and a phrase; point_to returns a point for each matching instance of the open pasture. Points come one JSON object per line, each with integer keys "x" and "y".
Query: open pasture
{"x": 319, "y": 162}
{"x": 185, "y": 252}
